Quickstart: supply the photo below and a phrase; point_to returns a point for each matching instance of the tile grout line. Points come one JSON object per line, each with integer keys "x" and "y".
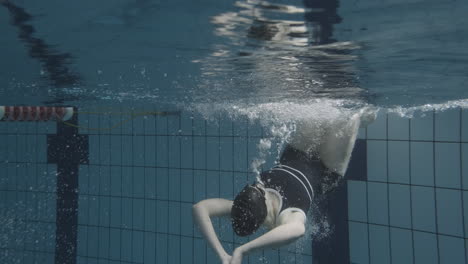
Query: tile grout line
{"x": 411, "y": 189}
{"x": 388, "y": 191}
{"x": 435, "y": 184}
{"x": 461, "y": 185}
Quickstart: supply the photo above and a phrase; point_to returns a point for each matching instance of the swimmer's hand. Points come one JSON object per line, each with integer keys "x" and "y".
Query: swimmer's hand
{"x": 237, "y": 255}
{"x": 226, "y": 259}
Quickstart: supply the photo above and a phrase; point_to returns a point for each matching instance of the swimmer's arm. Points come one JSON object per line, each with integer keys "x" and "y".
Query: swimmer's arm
{"x": 291, "y": 229}
{"x": 202, "y": 212}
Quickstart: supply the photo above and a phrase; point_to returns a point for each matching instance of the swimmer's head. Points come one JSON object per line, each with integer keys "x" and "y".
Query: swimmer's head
{"x": 249, "y": 210}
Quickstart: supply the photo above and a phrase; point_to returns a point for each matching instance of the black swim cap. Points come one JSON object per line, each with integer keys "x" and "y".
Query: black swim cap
{"x": 248, "y": 210}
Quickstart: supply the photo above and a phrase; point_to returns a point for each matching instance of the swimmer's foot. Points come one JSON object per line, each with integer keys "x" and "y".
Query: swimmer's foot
{"x": 368, "y": 115}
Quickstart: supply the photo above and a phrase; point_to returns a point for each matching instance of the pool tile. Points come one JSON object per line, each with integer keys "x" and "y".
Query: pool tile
{"x": 104, "y": 208}
{"x": 401, "y": 246}
{"x": 377, "y": 160}
{"x": 464, "y": 136}
{"x": 186, "y": 219}
{"x": 452, "y": 249}
{"x": 199, "y": 185}
{"x": 116, "y": 150}
{"x": 378, "y": 128}
{"x": 173, "y": 125}
{"x": 449, "y": 212}
{"x": 187, "y": 183}
{"x": 162, "y": 214}
{"x": 447, "y": 165}
{"x": 93, "y": 238}
{"x": 127, "y": 151}
{"x": 162, "y": 125}
{"x": 115, "y": 211}
{"x": 423, "y": 205}
{"x": 357, "y": 201}
{"x": 422, "y": 163}
{"x": 187, "y": 157}
{"x": 138, "y": 213}
{"x": 103, "y": 242}
{"x": 127, "y": 213}
{"x": 138, "y": 246}
{"x": 212, "y": 127}
{"x": 82, "y": 246}
{"x": 226, "y": 185}
{"x": 104, "y": 150}
{"x": 199, "y": 252}
{"x": 425, "y": 248}
{"x": 302, "y": 259}
{"x": 186, "y": 123}
{"x": 379, "y": 244}
{"x": 93, "y": 149}
{"x": 114, "y": 243}
{"x": 138, "y": 182}
{"x": 187, "y": 250}
{"x": 398, "y": 162}
{"x": 226, "y": 152}
{"x": 213, "y": 184}
{"x": 162, "y": 183}
{"x": 162, "y": 151}
{"x": 213, "y": 153}
{"x": 113, "y": 120}
{"x": 104, "y": 180}
{"x": 422, "y": 127}
{"x": 398, "y": 127}
{"x": 400, "y": 205}
{"x": 174, "y": 155}
{"x": 377, "y": 203}
{"x": 285, "y": 257}
{"x": 93, "y": 216}
{"x": 199, "y": 125}
{"x": 240, "y": 154}
{"x": 447, "y": 119}
{"x": 199, "y": 152}
{"x": 162, "y": 248}
{"x": 358, "y": 243}
{"x": 150, "y": 183}
{"x": 464, "y": 163}
{"x": 149, "y": 248}
{"x": 115, "y": 181}
{"x": 174, "y": 218}
{"x": 174, "y": 184}
{"x": 136, "y": 125}
{"x": 150, "y": 215}
{"x": 150, "y": 151}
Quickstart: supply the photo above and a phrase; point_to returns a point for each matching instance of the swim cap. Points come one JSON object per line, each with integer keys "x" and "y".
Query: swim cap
{"x": 248, "y": 210}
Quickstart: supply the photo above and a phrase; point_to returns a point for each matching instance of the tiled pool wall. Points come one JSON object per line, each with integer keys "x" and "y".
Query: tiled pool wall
{"x": 411, "y": 208}
{"x": 405, "y": 190}
{"x": 27, "y": 194}
{"x": 137, "y": 192}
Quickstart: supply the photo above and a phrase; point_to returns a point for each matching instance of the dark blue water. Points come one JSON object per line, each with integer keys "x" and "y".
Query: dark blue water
{"x": 388, "y": 53}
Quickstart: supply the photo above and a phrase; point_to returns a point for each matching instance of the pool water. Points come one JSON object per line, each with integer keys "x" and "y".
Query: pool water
{"x": 177, "y": 102}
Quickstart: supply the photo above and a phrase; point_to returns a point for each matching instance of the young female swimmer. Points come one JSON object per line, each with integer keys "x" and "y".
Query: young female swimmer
{"x": 282, "y": 197}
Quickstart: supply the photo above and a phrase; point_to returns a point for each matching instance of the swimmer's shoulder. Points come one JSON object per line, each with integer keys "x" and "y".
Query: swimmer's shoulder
{"x": 290, "y": 215}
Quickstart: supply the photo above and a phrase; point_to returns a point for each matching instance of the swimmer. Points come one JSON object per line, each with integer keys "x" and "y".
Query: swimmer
{"x": 281, "y": 198}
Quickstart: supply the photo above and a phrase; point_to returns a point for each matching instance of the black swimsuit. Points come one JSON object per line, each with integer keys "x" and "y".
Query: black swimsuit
{"x": 295, "y": 178}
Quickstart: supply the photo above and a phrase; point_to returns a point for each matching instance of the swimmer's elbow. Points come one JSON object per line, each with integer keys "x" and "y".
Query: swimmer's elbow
{"x": 198, "y": 207}
{"x": 296, "y": 230}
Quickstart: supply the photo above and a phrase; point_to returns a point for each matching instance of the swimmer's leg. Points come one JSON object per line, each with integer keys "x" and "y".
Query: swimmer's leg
{"x": 338, "y": 143}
